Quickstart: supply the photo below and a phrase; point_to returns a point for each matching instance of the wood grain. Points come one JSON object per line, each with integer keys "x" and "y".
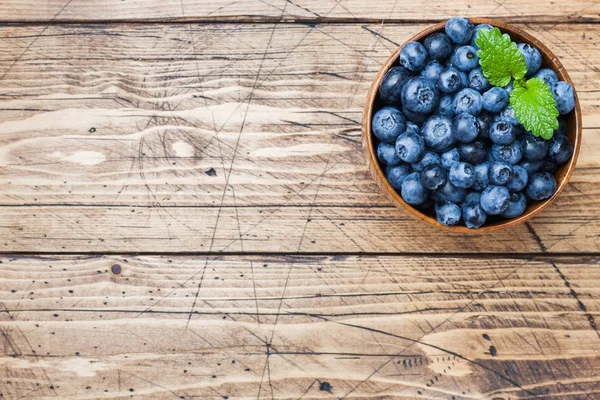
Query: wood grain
{"x": 299, "y": 327}
{"x": 282, "y": 10}
{"x": 124, "y": 117}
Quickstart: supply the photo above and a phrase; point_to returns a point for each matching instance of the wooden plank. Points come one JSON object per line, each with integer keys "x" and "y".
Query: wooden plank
{"x": 122, "y": 117}
{"x": 354, "y": 10}
{"x": 299, "y": 327}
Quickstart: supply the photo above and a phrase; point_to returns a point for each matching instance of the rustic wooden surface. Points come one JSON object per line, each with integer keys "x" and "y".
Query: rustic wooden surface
{"x": 185, "y": 212}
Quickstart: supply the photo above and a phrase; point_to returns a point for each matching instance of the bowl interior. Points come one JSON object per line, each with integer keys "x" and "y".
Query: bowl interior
{"x": 562, "y": 175}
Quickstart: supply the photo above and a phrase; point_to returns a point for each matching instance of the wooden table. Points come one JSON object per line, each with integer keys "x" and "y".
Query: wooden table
{"x": 186, "y": 213}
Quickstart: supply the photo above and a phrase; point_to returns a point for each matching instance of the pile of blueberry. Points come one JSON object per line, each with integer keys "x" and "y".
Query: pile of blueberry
{"x": 448, "y": 140}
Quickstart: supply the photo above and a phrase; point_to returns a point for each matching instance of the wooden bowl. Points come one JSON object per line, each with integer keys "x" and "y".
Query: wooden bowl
{"x": 562, "y": 175}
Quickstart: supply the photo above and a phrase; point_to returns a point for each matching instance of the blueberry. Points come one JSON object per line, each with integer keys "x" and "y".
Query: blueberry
{"x": 433, "y": 176}
{"x": 519, "y": 179}
{"x": 465, "y": 58}
{"x": 564, "y": 96}
{"x": 462, "y": 175}
{"x": 473, "y": 197}
{"x": 473, "y": 214}
{"x": 531, "y": 166}
{"x": 474, "y": 153}
{"x": 388, "y": 123}
{"x": 412, "y": 128}
{"x": 413, "y": 56}
{"x": 449, "y": 193}
{"x": 548, "y": 166}
{"x": 560, "y": 150}
{"x": 450, "y": 157}
{"x": 449, "y": 80}
{"x": 476, "y": 32}
{"x": 467, "y": 100}
{"x": 410, "y": 147}
{"x": 516, "y": 207}
{"x": 508, "y": 115}
{"x": 495, "y": 99}
{"x": 502, "y": 132}
{"x": 459, "y": 29}
{"x": 428, "y": 158}
{"x": 547, "y": 75}
{"x": 542, "y": 185}
{"x": 562, "y": 127}
{"x": 482, "y": 179}
{"x": 495, "y": 200}
{"x": 485, "y": 122}
{"x": 500, "y": 173}
{"x": 420, "y": 95}
{"x": 414, "y": 117}
{"x": 432, "y": 71}
{"x": 395, "y": 175}
{"x": 533, "y": 57}
{"x": 464, "y": 79}
{"x": 448, "y": 214}
{"x": 438, "y": 133}
{"x": 510, "y": 87}
{"x": 386, "y": 154}
{"x": 438, "y": 45}
{"x": 466, "y": 128}
{"x": 412, "y": 191}
{"x": 534, "y": 147}
{"x": 392, "y": 83}
{"x": 507, "y": 153}
{"x": 478, "y": 81}
{"x": 445, "y": 106}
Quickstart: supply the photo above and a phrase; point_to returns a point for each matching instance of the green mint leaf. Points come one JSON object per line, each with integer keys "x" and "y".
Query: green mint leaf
{"x": 535, "y": 107}
{"x": 499, "y": 57}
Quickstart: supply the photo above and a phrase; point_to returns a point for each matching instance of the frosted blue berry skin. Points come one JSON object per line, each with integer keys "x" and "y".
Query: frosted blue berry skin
{"x": 433, "y": 176}
{"x": 413, "y": 56}
{"x": 476, "y": 30}
{"x": 412, "y": 191}
{"x": 485, "y": 122}
{"x": 495, "y": 100}
{"x": 465, "y": 58}
{"x": 502, "y": 132}
{"x": 395, "y": 175}
{"x": 495, "y": 200}
{"x": 414, "y": 117}
{"x": 386, "y": 154}
{"x": 432, "y": 71}
{"x": 519, "y": 179}
{"x": 466, "y": 128}
{"x": 500, "y": 173}
{"x": 388, "y": 123}
{"x": 548, "y": 166}
{"x": 473, "y": 215}
{"x": 547, "y": 75}
{"x": 507, "y": 153}
{"x": 410, "y": 147}
{"x": 449, "y": 193}
{"x": 473, "y": 153}
{"x": 449, "y": 80}
{"x": 482, "y": 179}
{"x": 448, "y": 214}
{"x": 438, "y": 45}
{"x": 459, "y": 29}
{"x": 560, "y": 150}
{"x": 565, "y": 97}
{"x": 467, "y": 101}
{"x": 413, "y": 128}
{"x": 450, "y": 157}
{"x": 516, "y": 207}
{"x": 462, "y": 175}
{"x": 445, "y": 106}
{"x": 508, "y": 115}
{"x": 534, "y": 147}
{"x": 541, "y": 186}
{"x": 478, "y": 81}
{"x": 438, "y": 133}
{"x": 531, "y": 166}
{"x": 390, "y": 90}
{"x": 429, "y": 157}
{"x": 420, "y": 95}
{"x": 533, "y": 57}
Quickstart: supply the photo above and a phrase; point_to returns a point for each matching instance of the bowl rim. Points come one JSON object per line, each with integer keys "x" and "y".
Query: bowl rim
{"x": 390, "y": 192}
